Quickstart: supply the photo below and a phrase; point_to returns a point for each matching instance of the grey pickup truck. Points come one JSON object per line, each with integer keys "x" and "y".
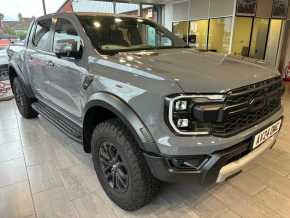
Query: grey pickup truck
{"x": 146, "y": 106}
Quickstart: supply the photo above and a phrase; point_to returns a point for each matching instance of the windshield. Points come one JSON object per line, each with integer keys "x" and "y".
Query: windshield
{"x": 114, "y": 34}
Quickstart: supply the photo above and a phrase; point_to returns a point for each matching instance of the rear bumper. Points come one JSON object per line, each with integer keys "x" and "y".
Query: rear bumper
{"x": 216, "y": 168}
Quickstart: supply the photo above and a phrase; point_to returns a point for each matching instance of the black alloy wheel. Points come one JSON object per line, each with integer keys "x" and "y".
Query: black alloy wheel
{"x": 113, "y": 167}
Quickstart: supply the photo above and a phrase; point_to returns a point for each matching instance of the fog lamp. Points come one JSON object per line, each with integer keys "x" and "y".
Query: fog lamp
{"x": 182, "y": 123}
{"x": 193, "y": 163}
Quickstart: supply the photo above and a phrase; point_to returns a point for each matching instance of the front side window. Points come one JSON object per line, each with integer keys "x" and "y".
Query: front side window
{"x": 41, "y": 38}
{"x": 66, "y": 37}
{"x": 115, "y": 34}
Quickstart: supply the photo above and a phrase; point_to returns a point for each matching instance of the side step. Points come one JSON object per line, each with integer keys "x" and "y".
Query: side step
{"x": 69, "y": 128}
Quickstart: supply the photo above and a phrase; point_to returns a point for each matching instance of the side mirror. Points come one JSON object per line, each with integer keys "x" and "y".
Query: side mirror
{"x": 68, "y": 48}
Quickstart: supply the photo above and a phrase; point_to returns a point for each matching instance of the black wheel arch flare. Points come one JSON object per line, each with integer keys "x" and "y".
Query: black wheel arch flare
{"x": 127, "y": 115}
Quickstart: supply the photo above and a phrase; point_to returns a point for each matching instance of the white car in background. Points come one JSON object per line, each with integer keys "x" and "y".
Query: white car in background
{"x": 5, "y": 88}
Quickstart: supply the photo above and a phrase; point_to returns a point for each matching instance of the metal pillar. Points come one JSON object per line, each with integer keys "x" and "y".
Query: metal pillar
{"x": 44, "y": 7}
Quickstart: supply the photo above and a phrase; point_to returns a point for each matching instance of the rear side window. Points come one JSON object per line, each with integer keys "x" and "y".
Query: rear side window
{"x": 65, "y": 36}
{"x": 41, "y": 37}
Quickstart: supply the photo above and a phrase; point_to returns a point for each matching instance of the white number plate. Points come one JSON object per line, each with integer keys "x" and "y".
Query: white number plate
{"x": 266, "y": 134}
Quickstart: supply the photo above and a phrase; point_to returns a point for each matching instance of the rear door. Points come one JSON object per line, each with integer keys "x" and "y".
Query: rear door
{"x": 37, "y": 56}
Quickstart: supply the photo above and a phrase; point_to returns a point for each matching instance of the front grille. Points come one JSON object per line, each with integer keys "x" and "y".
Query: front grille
{"x": 248, "y": 106}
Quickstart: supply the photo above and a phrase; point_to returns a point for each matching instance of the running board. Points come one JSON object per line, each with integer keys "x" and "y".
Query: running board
{"x": 69, "y": 128}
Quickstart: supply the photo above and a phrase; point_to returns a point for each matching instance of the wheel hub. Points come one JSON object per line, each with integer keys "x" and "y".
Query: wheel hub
{"x": 18, "y": 97}
{"x": 113, "y": 167}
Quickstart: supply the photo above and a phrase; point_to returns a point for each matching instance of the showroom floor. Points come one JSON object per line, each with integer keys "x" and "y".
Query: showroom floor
{"x": 45, "y": 174}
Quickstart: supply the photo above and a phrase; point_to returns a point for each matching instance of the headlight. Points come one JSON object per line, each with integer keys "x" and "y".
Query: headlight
{"x": 192, "y": 114}
{"x": 181, "y": 105}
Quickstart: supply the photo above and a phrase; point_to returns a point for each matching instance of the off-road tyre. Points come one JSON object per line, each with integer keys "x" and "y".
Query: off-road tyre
{"x": 23, "y": 102}
{"x": 142, "y": 186}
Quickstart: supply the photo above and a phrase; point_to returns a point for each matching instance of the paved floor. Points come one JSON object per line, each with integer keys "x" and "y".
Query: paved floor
{"x": 45, "y": 174}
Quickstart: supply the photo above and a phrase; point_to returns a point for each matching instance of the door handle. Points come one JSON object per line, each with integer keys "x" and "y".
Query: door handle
{"x": 50, "y": 64}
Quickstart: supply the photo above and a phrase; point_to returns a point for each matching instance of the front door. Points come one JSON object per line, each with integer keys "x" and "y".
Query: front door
{"x": 64, "y": 82}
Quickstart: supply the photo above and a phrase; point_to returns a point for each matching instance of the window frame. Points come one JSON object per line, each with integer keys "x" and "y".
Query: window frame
{"x": 32, "y": 45}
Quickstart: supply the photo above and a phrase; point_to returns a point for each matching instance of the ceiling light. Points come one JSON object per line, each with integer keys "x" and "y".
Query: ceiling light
{"x": 97, "y": 24}
{"x": 118, "y": 20}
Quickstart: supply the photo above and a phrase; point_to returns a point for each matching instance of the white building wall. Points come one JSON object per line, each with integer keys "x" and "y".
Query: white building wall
{"x": 180, "y": 11}
{"x": 197, "y": 9}
{"x": 168, "y": 16}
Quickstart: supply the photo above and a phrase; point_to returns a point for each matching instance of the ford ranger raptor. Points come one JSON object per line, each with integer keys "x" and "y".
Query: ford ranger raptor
{"x": 147, "y": 107}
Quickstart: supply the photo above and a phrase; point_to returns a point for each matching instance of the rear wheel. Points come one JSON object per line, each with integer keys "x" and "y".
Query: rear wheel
{"x": 23, "y": 102}
{"x": 120, "y": 166}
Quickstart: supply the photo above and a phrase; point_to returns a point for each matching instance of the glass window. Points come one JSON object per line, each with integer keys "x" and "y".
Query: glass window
{"x": 242, "y": 36}
{"x": 127, "y": 8}
{"x": 180, "y": 29}
{"x": 273, "y": 41}
{"x": 112, "y": 35}
{"x": 220, "y": 34}
{"x": 93, "y": 6}
{"x": 31, "y": 35}
{"x": 149, "y": 12}
{"x": 259, "y": 38}
{"x": 65, "y": 36}
{"x": 198, "y": 34}
{"x": 41, "y": 38}
{"x": 246, "y": 7}
{"x": 280, "y": 8}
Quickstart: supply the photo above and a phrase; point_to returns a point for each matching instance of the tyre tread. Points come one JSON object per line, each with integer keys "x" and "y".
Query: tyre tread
{"x": 145, "y": 185}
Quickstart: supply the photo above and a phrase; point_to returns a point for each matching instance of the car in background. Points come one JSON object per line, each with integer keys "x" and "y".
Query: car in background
{"x": 3, "y": 63}
{"x": 6, "y": 39}
{"x": 5, "y": 88}
{"x": 4, "y": 43}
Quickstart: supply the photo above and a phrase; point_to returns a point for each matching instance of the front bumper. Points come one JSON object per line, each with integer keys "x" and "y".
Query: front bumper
{"x": 217, "y": 168}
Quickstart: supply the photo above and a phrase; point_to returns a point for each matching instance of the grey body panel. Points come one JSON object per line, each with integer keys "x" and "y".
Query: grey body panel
{"x": 199, "y": 72}
{"x": 129, "y": 117}
{"x": 141, "y": 81}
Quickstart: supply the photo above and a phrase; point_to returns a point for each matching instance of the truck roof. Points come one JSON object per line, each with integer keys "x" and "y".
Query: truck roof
{"x": 92, "y": 14}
